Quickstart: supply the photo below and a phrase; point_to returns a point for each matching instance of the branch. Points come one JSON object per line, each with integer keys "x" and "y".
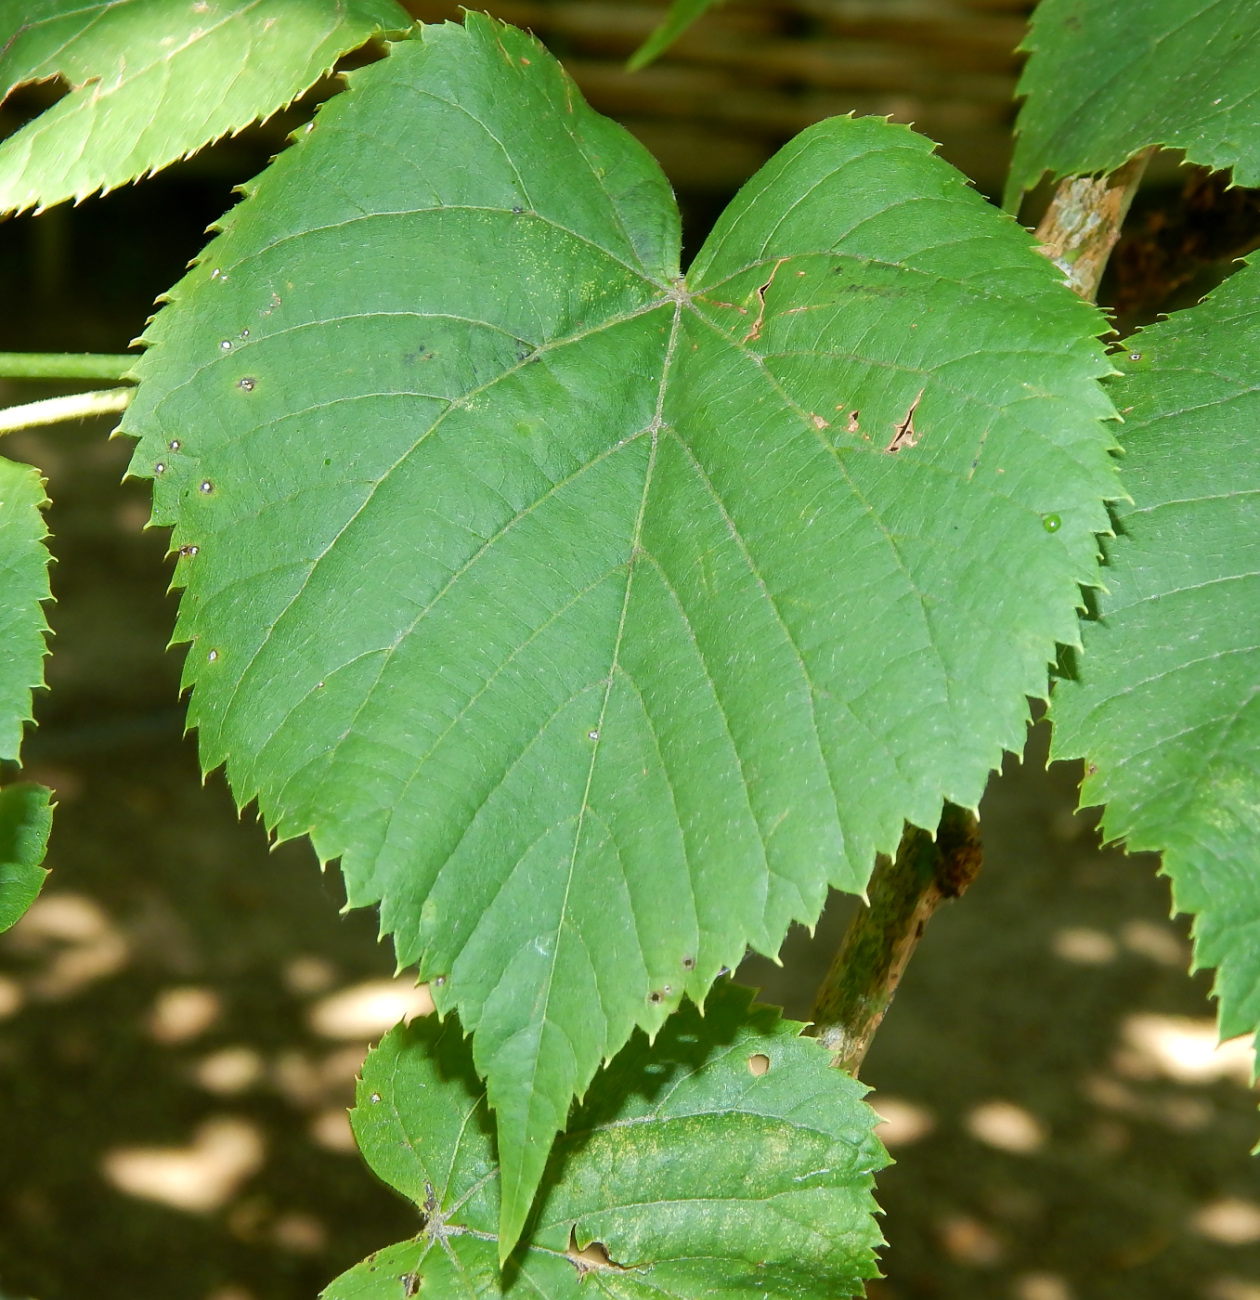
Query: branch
{"x": 903, "y": 894}
{"x": 54, "y": 410}
{"x": 1083, "y": 222}
{"x": 66, "y": 365}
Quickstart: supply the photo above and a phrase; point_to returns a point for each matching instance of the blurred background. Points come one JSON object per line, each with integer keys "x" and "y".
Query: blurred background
{"x": 183, "y": 1013}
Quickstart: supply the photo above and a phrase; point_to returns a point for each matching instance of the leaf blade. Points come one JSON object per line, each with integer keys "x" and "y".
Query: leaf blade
{"x": 152, "y": 83}
{"x": 1107, "y": 79}
{"x": 695, "y": 1173}
{"x": 1164, "y": 710}
{"x": 497, "y": 540}
{"x": 25, "y": 821}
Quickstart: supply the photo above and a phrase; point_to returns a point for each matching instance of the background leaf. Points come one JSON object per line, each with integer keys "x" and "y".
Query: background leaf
{"x": 24, "y": 563}
{"x": 153, "y": 81}
{"x": 25, "y": 820}
{"x": 682, "y": 13}
{"x": 25, "y": 815}
{"x": 1109, "y": 77}
{"x": 596, "y": 621}
{"x": 727, "y": 1158}
{"x": 1166, "y": 707}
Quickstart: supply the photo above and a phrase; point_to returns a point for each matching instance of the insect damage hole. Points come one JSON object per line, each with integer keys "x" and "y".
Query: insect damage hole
{"x": 590, "y": 1259}
{"x": 758, "y": 1064}
{"x": 904, "y": 433}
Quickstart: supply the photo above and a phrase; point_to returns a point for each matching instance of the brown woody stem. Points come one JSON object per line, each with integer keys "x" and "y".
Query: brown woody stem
{"x": 1083, "y": 222}
{"x": 903, "y": 893}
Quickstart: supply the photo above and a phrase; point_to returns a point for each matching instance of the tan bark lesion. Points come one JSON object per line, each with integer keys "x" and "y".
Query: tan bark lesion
{"x": 1083, "y": 222}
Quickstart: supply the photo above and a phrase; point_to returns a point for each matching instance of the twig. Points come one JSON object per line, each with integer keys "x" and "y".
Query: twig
{"x": 904, "y": 892}
{"x": 1083, "y": 222}
{"x": 54, "y": 410}
{"x": 66, "y": 365}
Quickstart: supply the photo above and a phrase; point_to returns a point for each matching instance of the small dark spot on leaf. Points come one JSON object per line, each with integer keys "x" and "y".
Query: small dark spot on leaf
{"x": 226, "y": 345}
{"x": 689, "y": 963}
{"x": 205, "y": 486}
{"x": 758, "y": 1063}
{"x": 411, "y": 1283}
{"x": 438, "y": 981}
{"x": 247, "y": 384}
{"x": 656, "y": 997}
{"x": 159, "y": 468}
{"x": 212, "y": 656}
{"x": 1135, "y": 356}
{"x": 174, "y": 444}
{"x": 244, "y": 334}
{"x": 187, "y": 551}
{"x": 518, "y": 210}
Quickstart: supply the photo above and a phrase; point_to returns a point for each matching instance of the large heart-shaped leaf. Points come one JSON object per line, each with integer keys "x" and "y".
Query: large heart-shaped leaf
{"x": 1166, "y": 707}
{"x": 725, "y": 1160}
{"x": 152, "y": 81}
{"x": 595, "y": 618}
{"x": 1109, "y": 77}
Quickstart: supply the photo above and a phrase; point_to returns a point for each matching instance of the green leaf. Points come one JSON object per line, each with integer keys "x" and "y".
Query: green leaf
{"x": 25, "y": 820}
{"x": 25, "y": 814}
{"x": 153, "y": 81}
{"x": 1107, "y": 78}
{"x": 1166, "y": 709}
{"x": 727, "y": 1159}
{"x": 682, "y": 13}
{"x": 24, "y": 563}
{"x": 597, "y": 620}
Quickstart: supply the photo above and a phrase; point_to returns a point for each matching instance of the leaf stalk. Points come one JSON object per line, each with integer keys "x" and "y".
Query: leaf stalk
{"x": 101, "y": 366}
{"x": 55, "y": 410}
{"x": 1083, "y": 222}
{"x": 903, "y": 893}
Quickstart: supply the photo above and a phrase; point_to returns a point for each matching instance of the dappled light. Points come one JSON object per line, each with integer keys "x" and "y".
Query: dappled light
{"x": 1008, "y": 1127}
{"x": 901, "y": 1122}
{"x": 367, "y": 1010}
{"x": 1182, "y": 1049}
{"x": 198, "y": 1178}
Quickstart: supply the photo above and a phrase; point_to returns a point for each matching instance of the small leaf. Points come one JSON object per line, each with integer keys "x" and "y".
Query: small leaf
{"x": 1107, "y": 78}
{"x": 1166, "y": 710}
{"x": 152, "y": 81}
{"x": 25, "y": 820}
{"x": 24, "y": 563}
{"x": 682, "y": 13}
{"x": 693, "y": 1170}
{"x": 598, "y": 619}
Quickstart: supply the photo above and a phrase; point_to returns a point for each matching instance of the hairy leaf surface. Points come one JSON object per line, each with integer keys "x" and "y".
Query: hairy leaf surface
{"x": 153, "y": 80}
{"x": 1109, "y": 77}
{"x": 1166, "y": 709}
{"x": 25, "y": 820}
{"x": 726, "y": 1159}
{"x": 598, "y": 620}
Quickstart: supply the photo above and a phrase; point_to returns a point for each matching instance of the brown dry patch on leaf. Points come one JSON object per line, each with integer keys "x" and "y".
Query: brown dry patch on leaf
{"x": 758, "y": 1063}
{"x": 904, "y": 434}
{"x": 852, "y": 426}
{"x": 755, "y": 333}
